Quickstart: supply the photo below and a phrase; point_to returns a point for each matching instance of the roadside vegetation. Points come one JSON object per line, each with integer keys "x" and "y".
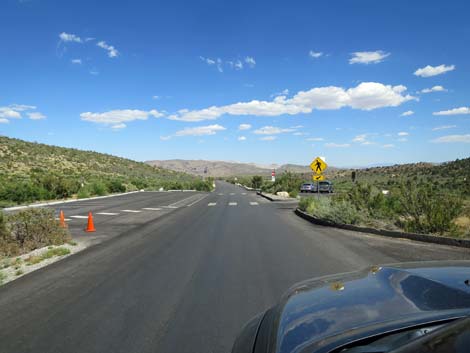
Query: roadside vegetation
{"x": 30, "y": 229}
{"x": 32, "y": 172}
{"x": 418, "y": 198}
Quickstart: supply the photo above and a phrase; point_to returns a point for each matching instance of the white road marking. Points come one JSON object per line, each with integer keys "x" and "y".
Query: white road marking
{"x": 232, "y": 193}
{"x": 212, "y": 204}
{"x": 108, "y": 213}
{"x": 81, "y": 217}
{"x": 66, "y": 219}
{"x": 254, "y": 203}
{"x": 243, "y": 193}
{"x": 220, "y": 194}
{"x": 197, "y": 200}
{"x": 232, "y": 203}
{"x": 131, "y": 211}
{"x": 152, "y": 209}
{"x": 172, "y": 207}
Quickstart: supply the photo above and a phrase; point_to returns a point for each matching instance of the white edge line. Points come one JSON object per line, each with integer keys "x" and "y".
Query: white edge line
{"x": 202, "y": 198}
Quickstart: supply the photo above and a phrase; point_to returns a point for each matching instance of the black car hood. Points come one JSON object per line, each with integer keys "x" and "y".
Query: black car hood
{"x": 343, "y": 308}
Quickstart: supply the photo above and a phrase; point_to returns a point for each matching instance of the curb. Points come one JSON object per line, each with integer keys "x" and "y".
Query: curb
{"x": 426, "y": 238}
{"x": 275, "y": 200}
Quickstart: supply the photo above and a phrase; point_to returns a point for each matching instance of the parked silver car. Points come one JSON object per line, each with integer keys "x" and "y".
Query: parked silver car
{"x": 326, "y": 186}
{"x": 308, "y": 187}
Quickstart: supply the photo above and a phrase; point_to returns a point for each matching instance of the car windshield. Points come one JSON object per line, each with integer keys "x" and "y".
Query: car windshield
{"x": 170, "y": 169}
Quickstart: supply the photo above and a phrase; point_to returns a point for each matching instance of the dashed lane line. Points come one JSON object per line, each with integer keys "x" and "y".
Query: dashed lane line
{"x": 131, "y": 211}
{"x": 232, "y": 203}
{"x": 66, "y": 219}
{"x": 212, "y": 204}
{"x": 254, "y": 203}
{"x": 243, "y": 193}
{"x": 108, "y": 213}
{"x": 152, "y": 209}
{"x": 80, "y": 217}
{"x": 171, "y": 207}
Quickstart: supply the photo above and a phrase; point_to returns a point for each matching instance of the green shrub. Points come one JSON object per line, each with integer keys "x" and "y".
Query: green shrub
{"x": 31, "y": 229}
{"x": 333, "y": 210}
{"x": 294, "y": 193}
{"x": 83, "y": 193}
{"x": 116, "y": 186}
{"x": 97, "y": 188}
{"x": 256, "y": 182}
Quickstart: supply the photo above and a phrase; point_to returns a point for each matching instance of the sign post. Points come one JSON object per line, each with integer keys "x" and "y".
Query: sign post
{"x": 318, "y": 166}
{"x": 273, "y": 175}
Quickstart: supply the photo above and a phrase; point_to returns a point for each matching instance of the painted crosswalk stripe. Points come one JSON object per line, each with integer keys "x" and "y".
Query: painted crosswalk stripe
{"x": 108, "y": 213}
{"x": 81, "y": 217}
{"x": 232, "y": 203}
{"x": 212, "y": 204}
{"x": 131, "y": 211}
{"x": 253, "y": 203}
{"x": 152, "y": 209}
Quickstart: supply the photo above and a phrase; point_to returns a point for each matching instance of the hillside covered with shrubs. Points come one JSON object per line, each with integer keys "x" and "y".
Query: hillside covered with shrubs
{"x": 32, "y": 171}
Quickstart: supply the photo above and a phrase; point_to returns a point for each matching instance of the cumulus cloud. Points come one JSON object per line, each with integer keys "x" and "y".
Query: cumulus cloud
{"x": 4, "y": 121}
{"x": 337, "y": 145}
{"x": 365, "y": 96}
{"x": 69, "y": 37}
{"x": 453, "y": 139}
{"x": 407, "y": 113}
{"x": 244, "y": 127}
{"x": 434, "y": 89}
{"x": 315, "y": 54}
{"x": 241, "y": 138}
{"x": 403, "y": 133}
{"x": 429, "y": 70}
{"x": 455, "y": 111}
{"x": 36, "y": 116}
{"x": 14, "y": 111}
{"x": 116, "y": 117}
{"x": 268, "y": 138}
{"x": 443, "y": 127}
{"x": 368, "y": 57}
{"x": 272, "y": 130}
{"x": 196, "y": 131}
{"x": 250, "y": 61}
{"x": 76, "y": 61}
{"x": 112, "y": 51}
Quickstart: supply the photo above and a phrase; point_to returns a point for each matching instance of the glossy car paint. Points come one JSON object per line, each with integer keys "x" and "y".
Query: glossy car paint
{"x": 328, "y": 312}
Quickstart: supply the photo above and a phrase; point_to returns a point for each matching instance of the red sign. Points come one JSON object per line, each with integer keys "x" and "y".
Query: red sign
{"x": 273, "y": 173}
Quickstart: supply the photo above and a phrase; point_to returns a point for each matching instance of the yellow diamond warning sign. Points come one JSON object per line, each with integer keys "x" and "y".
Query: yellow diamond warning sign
{"x": 318, "y": 165}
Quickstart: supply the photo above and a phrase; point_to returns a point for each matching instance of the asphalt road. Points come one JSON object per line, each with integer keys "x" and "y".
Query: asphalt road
{"x": 183, "y": 278}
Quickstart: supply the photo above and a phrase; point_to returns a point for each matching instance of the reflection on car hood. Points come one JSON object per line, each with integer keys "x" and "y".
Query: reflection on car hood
{"x": 314, "y": 312}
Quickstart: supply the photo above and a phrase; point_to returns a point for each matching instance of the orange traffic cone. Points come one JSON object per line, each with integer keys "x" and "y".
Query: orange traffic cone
{"x": 90, "y": 227}
{"x": 62, "y": 220}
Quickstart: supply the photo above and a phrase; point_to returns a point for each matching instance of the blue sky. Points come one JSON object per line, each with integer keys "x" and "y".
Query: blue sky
{"x": 359, "y": 82}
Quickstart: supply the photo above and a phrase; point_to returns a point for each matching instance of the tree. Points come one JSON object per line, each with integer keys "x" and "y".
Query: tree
{"x": 257, "y": 182}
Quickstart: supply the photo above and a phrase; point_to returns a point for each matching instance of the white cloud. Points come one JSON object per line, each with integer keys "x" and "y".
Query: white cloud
{"x": 250, "y": 61}
{"x": 22, "y": 107}
{"x": 403, "y": 133}
{"x": 36, "y": 116}
{"x": 241, "y": 138}
{"x": 244, "y": 127}
{"x": 452, "y": 139}
{"x": 271, "y": 130}
{"x": 368, "y": 57}
{"x": 115, "y": 117}
{"x": 112, "y": 51}
{"x": 68, "y": 37}
{"x": 8, "y": 113}
{"x": 407, "y": 113}
{"x": 4, "y": 121}
{"x": 300, "y": 133}
{"x": 156, "y": 97}
{"x": 76, "y": 61}
{"x": 389, "y": 145}
{"x": 434, "y": 89}
{"x": 365, "y": 96}
{"x": 315, "y": 54}
{"x": 444, "y": 127}
{"x": 268, "y": 138}
{"x": 402, "y": 139}
{"x": 200, "y": 130}
{"x": 315, "y": 139}
{"x": 455, "y": 111}
{"x": 429, "y": 70}
{"x": 208, "y": 61}
{"x": 337, "y": 145}
{"x": 360, "y": 138}
{"x": 119, "y": 126}
{"x": 238, "y": 65}
{"x": 284, "y": 92}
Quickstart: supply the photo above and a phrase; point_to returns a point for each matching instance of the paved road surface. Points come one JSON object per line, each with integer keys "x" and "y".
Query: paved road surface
{"x": 181, "y": 279}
